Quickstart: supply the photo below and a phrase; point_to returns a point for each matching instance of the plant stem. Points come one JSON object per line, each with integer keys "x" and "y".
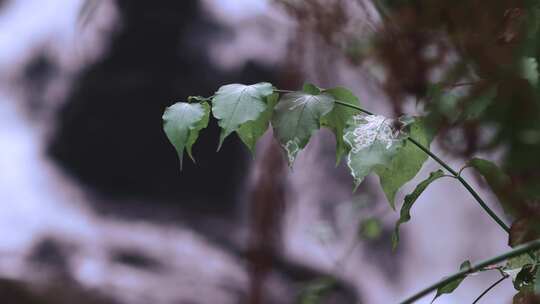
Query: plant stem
{"x": 525, "y": 248}
{"x": 464, "y": 183}
{"x": 283, "y": 91}
{"x": 448, "y": 168}
{"x": 489, "y": 288}
{"x": 353, "y": 107}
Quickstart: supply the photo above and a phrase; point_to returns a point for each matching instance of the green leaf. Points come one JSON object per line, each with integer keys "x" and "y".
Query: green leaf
{"x": 251, "y": 131}
{"x": 316, "y": 291}
{"x": 296, "y": 116}
{"x": 515, "y": 265}
{"x": 410, "y": 199}
{"x": 525, "y": 278}
{"x": 182, "y": 123}
{"x": 311, "y": 89}
{"x": 406, "y": 164}
{"x": 497, "y": 180}
{"x": 442, "y": 102}
{"x": 371, "y": 228}
{"x": 450, "y": 287}
{"x": 373, "y": 141}
{"x": 478, "y": 104}
{"x": 236, "y": 104}
{"x": 529, "y": 70}
{"x": 337, "y": 119}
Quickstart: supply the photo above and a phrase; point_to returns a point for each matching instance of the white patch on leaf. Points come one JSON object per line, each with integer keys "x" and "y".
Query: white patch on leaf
{"x": 369, "y": 129}
{"x": 373, "y": 141}
{"x": 292, "y": 149}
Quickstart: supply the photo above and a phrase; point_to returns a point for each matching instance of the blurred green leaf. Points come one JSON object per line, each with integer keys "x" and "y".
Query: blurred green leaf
{"x": 336, "y": 120}
{"x": 497, "y": 180}
{"x": 410, "y": 199}
{"x": 296, "y": 117}
{"x": 373, "y": 141}
{"x": 407, "y": 162}
{"x": 515, "y": 265}
{"x": 525, "y": 278}
{"x": 450, "y": 287}
{"x": 315, "y": 291}
{"x": 529, "y": 70}
{"x": 371, "y": 228}
{"x": 476, "y": 105}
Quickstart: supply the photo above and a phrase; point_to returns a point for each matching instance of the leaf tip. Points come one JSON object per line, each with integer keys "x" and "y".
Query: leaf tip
{"x": 221, "y": 140}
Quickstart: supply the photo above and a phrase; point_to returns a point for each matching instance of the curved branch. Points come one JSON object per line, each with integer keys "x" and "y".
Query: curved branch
{"x": 525, "y": 248}
{"x": 448, "y": 168}
{"x": 489, "y": 288}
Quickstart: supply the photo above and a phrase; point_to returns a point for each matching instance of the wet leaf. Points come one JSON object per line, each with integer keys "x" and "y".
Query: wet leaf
{"x": 407, "y": 162}
{"x": 336, "y": 120}
{"x": 182, "y": 123}
{"x": 450, "y": 287}
{"x": 251, "y": 131}
{"x": 236, "y": 104}
{"x": 373, "y": 141}
{"x": 410, "y": 199}
{"x": 296, "y": 117}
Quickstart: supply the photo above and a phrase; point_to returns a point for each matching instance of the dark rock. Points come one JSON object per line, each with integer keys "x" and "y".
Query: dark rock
{"x": 109, "y": 134}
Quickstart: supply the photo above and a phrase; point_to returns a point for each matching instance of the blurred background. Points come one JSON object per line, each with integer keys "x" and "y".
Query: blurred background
{"x": 94, "y": 208}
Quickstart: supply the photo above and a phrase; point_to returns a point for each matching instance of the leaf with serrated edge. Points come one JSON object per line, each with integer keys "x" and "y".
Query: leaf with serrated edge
{"x": 451, "y": 286}
{"x": 296, "y": 116}
{"x": 373, "y": 141}
{"x": 406, "y": 164}
{"x": 410, "y": 199}
{"x": 337, "y": 119}
{"x": 182, "y": 123}
{"x": 251, "y": 131}
{"x": 236, "y": 104}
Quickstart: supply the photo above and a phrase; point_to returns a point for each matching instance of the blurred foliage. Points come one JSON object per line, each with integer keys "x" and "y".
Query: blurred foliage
{"x": 472, "y": 68}
{"x": 371, "y": 228}
{"x": 316, "y": 291}
{"x": 487, "y": 97}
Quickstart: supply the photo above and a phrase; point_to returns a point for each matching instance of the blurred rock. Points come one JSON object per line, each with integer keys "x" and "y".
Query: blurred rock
{"x": 51, "y": 293}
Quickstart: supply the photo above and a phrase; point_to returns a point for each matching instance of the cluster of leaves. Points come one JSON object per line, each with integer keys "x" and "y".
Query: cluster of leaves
{"x": 390, "y": 148}
{"x": 369, "y": 143}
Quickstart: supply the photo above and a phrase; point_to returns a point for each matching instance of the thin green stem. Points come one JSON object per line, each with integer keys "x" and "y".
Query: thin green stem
{"x": 283, "y": 91}
{"x": 465, "y": 184}
{"x": 489, "y": 288}
{"x": 448, "y": 168}
{"x": 525, "y": 248}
